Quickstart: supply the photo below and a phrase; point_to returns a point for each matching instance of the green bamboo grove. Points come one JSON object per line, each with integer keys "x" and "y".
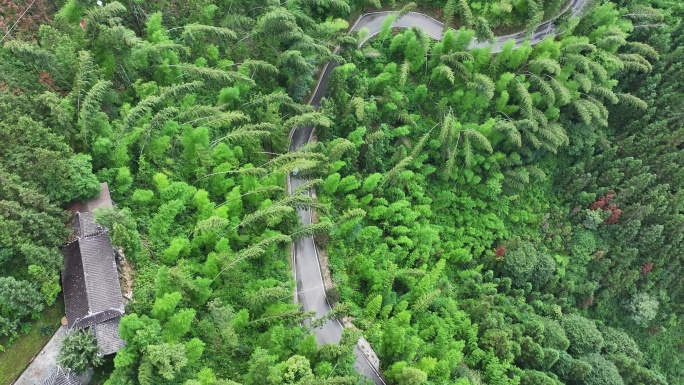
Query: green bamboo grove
{"x": 509, "y": 217}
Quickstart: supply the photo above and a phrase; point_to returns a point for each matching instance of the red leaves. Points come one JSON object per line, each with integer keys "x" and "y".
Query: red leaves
{"x": 614, "y": 216}
{"x": 646, "y": 268}
{"x": 24, "y": 17}
{"x": 603, "y": 204}
{"x": 499, "y": 253}
{"x": 46, "y": 79}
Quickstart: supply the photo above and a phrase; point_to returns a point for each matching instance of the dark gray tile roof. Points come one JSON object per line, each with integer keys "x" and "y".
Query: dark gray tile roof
{"x": 92, "y": 293}
{"x": 84, "y": 225}
{"x": 107, "y": 336}
{"x": 96, "y": 318}
{"x": 61, "y": 377}
{"x": 90, "y": 279}
{"x": 73, "y": 284}
{"x": 100, "y": 273}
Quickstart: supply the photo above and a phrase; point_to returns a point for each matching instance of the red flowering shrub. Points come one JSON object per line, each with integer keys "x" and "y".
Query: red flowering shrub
{"x": 603, "y": 204}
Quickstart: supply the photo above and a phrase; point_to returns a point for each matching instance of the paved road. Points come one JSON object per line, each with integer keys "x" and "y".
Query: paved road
{"x": 307, "y": 268}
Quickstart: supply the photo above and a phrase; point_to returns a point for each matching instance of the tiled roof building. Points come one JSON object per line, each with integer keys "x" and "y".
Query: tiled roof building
{"x": 92, "y": 293}
{"x": 61, "y": 377}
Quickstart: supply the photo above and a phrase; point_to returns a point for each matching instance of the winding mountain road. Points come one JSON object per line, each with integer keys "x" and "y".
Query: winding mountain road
{"x": 306, "y": 264}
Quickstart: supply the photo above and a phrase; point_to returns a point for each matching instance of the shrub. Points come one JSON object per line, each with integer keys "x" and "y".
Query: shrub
{"x": 583, "y": 335}
{"x": 531, "y": 354}
{"x": 563, "y": 365}
{"x": 554, "y": 335}
{"x": 633, "y": 373}
{"x": 643, "y": 308}
{"x": 618, "y": 342}
{"x": 79, "y": 351}
{"x": 551, "y": 356}
{"x": 525, "y": 264}
{"x": 603, "y": 371}
{"x": 583, "y": 244}
{"x": 333, "y": 295}
{"x": 46, "y": 330}
{"x": 533, "y": 377}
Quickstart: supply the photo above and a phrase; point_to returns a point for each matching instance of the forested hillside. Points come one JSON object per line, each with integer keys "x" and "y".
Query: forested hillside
{"x": 511, "y": 217}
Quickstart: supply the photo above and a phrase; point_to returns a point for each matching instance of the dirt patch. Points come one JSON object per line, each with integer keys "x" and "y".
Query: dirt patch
{"x": 126, "y": 278}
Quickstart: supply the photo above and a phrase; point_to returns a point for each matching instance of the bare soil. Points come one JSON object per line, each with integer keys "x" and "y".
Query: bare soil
{"x": 126, "y": 279}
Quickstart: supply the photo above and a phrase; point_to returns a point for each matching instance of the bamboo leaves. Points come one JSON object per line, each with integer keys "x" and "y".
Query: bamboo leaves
{"x": 404, "y": 72}
{"x": 102, "y": 15}
{"x": 632, "y": 101}
{"x": 455, "y": 62}
{"x": 315, "y": 119}
{"x": 338, "y": 147}
{"x": 524, "y": 98}
{"x": 445, "y": 73}
{"x": 91, "y": 106}
{"x": 324, "y": 227}
{"x": 214, "y": 74}
{"x": 295, "y": 61}
{"x": 545, "y": 65}
{"x": 398, "y": 168}
{"x": 465, "y": 139}
{"x": 257, "y": 249}
{"x": 85, "y": 76}
{"x": 509, "y": 130}
{"x": 220, "y": 32}
{"x": 483, "y": 85}
{"x": 264, "y": 67}
{"x": 635, "y": 62}
{"x": 337, "y": 5}
{"x": 146, "y": 105}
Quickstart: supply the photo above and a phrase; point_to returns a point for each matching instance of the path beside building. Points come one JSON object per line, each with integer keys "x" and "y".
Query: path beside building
{"x": 45, "y": 363}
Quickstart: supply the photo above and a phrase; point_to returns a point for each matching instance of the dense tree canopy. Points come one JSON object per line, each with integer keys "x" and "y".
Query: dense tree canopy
{"x": 509, "y": 217}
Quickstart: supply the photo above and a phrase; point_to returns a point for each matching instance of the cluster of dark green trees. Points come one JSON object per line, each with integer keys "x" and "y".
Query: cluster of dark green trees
{"x": 39, "y": 175}
{"x": 500, "y": 218}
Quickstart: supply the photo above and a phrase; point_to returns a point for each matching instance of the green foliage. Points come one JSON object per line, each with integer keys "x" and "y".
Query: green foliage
{"x": 449, "y": 177}
{"x": 525, "y": 264}
{"x": 164, "y": 307}
{"x": 583, "y": 335}
{"x": 603, "y": 371}
{"x": 166, "y": 359}
{"x": 79, "y": 351}
{"x": 18, "y": 300}
{"x": 618, "y": 342}
{"x": 642, "y": 308}
{"x": 533, "y": 377}
{"x": 554, "y": 335}
{"x": 123, "y": 228}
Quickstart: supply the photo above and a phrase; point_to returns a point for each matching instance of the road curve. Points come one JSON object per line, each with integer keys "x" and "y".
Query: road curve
{"x": 306, "y": 265}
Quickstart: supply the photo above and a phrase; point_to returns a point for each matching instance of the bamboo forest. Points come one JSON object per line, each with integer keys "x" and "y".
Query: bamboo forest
{"x": 313, "y": 192}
